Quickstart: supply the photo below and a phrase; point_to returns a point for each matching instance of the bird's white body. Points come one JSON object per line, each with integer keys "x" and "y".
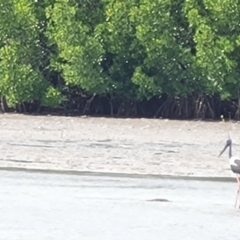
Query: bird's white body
{"x": 233, "y": 159}
{"x": 234, "y": 165}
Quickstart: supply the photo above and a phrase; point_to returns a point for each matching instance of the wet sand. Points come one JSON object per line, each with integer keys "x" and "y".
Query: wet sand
{"x": 131, "y": 146}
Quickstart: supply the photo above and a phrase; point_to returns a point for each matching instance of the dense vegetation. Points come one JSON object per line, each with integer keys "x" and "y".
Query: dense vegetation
{"x": 150, "y": 58}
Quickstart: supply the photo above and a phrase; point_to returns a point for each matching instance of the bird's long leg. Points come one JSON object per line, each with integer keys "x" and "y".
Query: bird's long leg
{"x": 236, "y": 200}
{"x": 238, "y": 189}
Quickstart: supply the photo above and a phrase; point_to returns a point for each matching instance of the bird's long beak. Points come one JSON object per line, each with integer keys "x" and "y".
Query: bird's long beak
{"x": 227, "y": 145}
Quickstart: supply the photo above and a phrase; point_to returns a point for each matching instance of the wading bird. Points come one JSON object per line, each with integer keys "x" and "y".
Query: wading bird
{"x": 234, "y": 165}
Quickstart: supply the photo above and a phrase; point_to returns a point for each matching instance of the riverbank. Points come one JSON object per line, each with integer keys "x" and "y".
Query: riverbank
{"x": 108, "y": 145}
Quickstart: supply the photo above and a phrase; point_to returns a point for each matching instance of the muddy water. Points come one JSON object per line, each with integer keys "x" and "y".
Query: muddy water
{"x": 49, "y": 206}
{"x": 142, "y": 146}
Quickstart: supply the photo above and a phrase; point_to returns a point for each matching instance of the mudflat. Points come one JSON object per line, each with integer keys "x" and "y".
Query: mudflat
{"x": 135, "y": 146}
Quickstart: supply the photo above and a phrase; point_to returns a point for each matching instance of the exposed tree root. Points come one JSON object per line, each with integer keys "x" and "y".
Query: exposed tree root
{"x": 191, "y": 107}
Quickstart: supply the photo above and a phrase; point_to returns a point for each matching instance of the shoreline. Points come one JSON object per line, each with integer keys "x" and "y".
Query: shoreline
{"x": 117, "y": 175}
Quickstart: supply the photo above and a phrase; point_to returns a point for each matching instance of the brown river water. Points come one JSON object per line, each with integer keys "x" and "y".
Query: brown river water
{"x": 127, "y": 146}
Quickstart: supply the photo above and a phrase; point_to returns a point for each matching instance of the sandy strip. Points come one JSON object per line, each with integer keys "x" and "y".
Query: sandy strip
{"x": 133, "y": 146}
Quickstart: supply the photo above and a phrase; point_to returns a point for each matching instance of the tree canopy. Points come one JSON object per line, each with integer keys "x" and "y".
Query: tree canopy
{"x": 172, "y": 58}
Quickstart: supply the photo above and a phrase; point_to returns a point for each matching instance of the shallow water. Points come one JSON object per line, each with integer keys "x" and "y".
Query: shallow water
{"x": 56, "y": 206}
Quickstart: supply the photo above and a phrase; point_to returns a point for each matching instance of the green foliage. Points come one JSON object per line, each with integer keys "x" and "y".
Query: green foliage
{"x": 216, "y": 26}
{"x": 123, "y": 52}
{"x": 132, "y": 49}
{"x": 53, "y": 97}
{"x": 79, "y": 52}
{"x": 168, "y": 60}
{"x": 21, "y": 53}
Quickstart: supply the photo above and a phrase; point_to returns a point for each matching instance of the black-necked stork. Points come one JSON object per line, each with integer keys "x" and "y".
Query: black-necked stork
{"x": 234, "y": 165}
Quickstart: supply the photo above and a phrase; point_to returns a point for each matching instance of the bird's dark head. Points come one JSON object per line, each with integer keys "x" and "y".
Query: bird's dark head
{"x": 228, "y": 144}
